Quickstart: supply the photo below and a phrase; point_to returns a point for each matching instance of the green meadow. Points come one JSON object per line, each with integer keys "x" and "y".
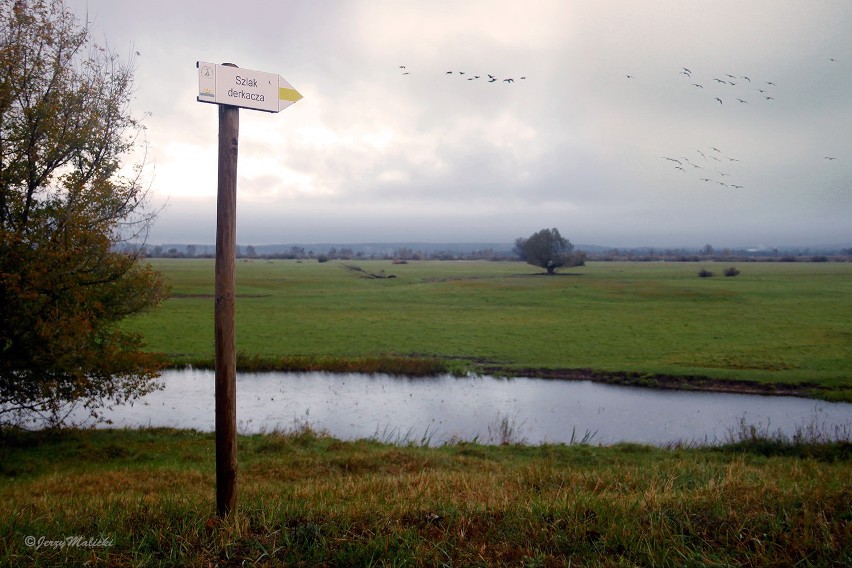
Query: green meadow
{"x": 776, "y": 323}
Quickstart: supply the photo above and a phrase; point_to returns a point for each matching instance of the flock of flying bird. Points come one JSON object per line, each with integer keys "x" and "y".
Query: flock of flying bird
{"x": 713, "y": 154}
{"x": 740, "y": 89}
{"x": 753, "y": 90}
{"x": 728, "y": 87}
{"x": 470, "y": 76}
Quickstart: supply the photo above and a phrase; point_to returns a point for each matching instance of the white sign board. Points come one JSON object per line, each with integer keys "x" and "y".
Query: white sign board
{"x": 226, "y": 85}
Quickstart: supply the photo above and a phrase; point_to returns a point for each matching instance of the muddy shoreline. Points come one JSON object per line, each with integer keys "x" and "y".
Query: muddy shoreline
{"x": 666, "y": 382}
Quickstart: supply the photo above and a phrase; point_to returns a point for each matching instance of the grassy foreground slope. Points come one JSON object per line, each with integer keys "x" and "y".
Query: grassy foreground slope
{"x": 146, "y": 498}
{"x": 781, "y": 323}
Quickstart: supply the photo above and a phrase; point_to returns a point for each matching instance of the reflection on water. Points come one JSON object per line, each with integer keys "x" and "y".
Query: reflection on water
{"x": 445, "y": 408}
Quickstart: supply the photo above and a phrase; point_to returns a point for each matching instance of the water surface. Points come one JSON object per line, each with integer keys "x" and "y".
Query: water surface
{"x": 487, "y": 409}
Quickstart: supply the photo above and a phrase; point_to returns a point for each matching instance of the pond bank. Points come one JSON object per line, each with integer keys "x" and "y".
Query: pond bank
{"x": 424, "y": 366}
{"x": 686, "y": 382}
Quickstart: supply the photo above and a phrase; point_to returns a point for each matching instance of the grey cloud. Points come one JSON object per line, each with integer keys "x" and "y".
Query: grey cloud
{"x": 373, "y": 154}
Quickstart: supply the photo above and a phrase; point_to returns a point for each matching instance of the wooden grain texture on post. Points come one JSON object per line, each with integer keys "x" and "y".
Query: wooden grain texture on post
{"x": 225, "y": 334}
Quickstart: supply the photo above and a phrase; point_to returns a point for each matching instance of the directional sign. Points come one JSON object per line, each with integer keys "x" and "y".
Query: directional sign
{"x": 234, "y": 86}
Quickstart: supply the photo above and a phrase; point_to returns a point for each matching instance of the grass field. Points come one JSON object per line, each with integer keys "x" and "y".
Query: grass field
{"x": 781, "y": 323}
{"x": 146, "y": 498}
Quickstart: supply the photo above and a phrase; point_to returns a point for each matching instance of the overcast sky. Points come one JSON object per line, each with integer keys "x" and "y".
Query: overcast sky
{"x": 586, "y": 142}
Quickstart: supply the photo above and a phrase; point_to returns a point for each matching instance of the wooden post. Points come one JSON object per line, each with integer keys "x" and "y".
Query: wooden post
{"x": 225, "y": 310}
{"x": 271, "y": 93}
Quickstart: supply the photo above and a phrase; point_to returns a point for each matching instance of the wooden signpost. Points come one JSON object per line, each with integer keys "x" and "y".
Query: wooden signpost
{"x": 231, "y": 88}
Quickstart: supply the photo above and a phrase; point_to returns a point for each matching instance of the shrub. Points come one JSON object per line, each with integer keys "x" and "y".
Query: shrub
{"x": 731, "y": 271}
{"x": 704, "y": 273}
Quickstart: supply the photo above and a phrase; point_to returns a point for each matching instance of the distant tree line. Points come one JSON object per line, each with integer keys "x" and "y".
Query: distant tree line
{"x": 643, "y": 254}
{"x": 709, "y": 253}
{"x": 332, "y": 253}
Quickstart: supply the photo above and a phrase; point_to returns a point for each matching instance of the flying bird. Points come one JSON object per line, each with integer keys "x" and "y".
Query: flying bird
{"x": 830, "y": 158}
{"x": 699, "y": 86}
{"x": 671, "y": 159}
{"x": 742, "y": 101}
{"x": 771, "y": 83}
{"x": 508, "y": 80}
{"x": 630, "y": 77}
{"x": 718, "y": 99}
{"x": 402, "y": 66}
{"x": 746, "y": 78}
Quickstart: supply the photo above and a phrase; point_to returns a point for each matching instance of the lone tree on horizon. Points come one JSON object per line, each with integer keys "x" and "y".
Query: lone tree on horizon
{"x": 68, "y": 211}
{"x": 549, "y": 250}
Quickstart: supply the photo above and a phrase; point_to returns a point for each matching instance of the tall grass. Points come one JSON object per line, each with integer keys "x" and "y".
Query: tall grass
{"x": 810, "y": 440}
{"x": 310, "y": 500}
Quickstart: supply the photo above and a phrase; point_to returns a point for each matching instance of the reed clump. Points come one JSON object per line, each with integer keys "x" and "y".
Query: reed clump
{"x": 388, "y": 365}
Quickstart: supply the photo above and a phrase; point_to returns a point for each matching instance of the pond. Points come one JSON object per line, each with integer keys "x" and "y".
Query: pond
{"x": 442, "y": 409}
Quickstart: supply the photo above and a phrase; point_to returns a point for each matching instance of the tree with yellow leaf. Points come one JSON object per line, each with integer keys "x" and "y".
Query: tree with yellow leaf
{"x": 67, "y": 204}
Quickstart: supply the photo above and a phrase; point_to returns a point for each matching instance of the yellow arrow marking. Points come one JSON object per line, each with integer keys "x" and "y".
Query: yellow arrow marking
{"x": 291, "y": 95}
